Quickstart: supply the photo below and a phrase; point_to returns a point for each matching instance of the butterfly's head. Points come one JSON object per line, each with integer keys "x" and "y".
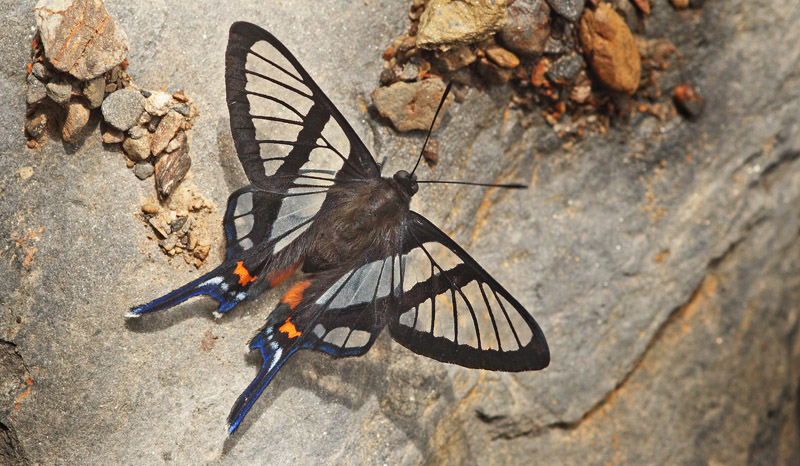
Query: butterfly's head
{"x": 407, "y": 181}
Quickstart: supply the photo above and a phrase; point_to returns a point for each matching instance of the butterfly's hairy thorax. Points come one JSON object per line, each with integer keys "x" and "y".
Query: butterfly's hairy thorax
{"x": 362, "y": 221}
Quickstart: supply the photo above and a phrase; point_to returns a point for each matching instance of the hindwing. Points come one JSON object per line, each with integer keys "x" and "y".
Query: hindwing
{"x": 452, "y": 310}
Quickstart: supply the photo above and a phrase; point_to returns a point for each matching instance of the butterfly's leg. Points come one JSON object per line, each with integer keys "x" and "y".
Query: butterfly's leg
{"x": 277, "y": 341}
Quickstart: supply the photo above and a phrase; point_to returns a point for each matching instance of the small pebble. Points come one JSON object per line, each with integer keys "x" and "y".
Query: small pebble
{"x": 59, "y": 91}
{"x": 449, "y": 23}
{"x": 570, "y": 10}
{"x": 175, "y": 143}
{"x": 158, "y": 226}
{"x": 137, "y": 149}
{"x": 166, "y": 130}
{"x": 94, "y": 91}
{"x": 565, "y": 69}
{"x": 75, "y": 122}
{"x": 121, "y": 109}
{"x": 178, "y": 223}
{"x": 143, "y": 170}
{"x": 431, "y": 152}
{"x": 502, "y": 57}
{"x": 150, "y": 207}
{"x": 610, "y": 49}
{"x": 410, "y": 72}
{"x": 192, "y": 243}
{"x": 36, "y": 90}
{"x": 411, "y": 105}
{"x": 137, "y": 132}
{"x": 41, "y": 71}
{"x": 170, "y": 170}
{"x": 113, "y": 136}
{"x": 158, "y": 103}
{"x": 493, "y": 73}
{"x": 389, "y": 75}
{"x": 153, "y": 123}
{"x": 528, "y": 27}
{"x": 36, "y": 124}
{"x": 456, "y": 58}
{"x": 201, "y": 251}
{"x": 688, "y": 100}
{"x": 169, "y": 243}
{"x": 184, "y": 109}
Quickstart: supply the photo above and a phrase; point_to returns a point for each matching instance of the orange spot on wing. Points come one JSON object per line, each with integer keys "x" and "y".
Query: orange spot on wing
{"x": 295, "y": 293}
{"x": 277, "y": 276}
{"x": 243, "y": 273}
{"x": 289, "y": 329}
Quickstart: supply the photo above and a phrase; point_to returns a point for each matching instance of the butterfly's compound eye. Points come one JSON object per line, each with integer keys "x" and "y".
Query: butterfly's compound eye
{"x": 407, "y": 181}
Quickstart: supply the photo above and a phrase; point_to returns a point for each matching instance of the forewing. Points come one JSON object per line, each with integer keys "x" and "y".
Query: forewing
{"x": 452, "y": 310}
{"x": 286, "y": 131}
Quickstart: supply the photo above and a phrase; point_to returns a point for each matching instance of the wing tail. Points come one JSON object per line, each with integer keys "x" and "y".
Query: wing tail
{"x": 277, "y": 342}
{"x": 213, "y": 283}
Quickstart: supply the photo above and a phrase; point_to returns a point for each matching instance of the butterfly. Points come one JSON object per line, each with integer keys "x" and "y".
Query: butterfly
{"x": 318, "y": 207}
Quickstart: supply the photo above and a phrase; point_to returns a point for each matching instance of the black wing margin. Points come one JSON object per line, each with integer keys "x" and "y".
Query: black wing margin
{"x": 286, "y": 130}
{"x": 453, "y": 311}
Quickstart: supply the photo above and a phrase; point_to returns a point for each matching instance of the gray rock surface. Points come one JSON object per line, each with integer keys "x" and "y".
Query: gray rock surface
{"x": 662, "y": 260}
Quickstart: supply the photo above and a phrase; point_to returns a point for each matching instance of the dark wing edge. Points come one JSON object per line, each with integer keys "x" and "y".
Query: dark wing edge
{"x": 512, "y": 340}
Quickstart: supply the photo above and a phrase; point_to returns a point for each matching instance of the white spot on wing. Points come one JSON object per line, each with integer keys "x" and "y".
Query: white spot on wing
{"x": 243, "y": 225}
{"x": 297, "y": 209}
{"x": 275, "y": 358}
{"x": 333, "y": 289}
{"x": 357, "y": 339}
{"x": 336, "y": 336}
{"x": 212, "y": 281}
{"x": 287, "y": 240}
{"x": 407, "y": 318}
{"x": 520, "y": 326}
{"x": 244, "y": 204}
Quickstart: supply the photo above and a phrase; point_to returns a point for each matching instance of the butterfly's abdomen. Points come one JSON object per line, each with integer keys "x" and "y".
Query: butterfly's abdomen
{"x": 364, "y": 220}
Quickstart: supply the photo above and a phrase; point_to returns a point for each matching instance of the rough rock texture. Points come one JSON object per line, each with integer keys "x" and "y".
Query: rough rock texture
{"x": 448, "y": 23}
{"x": 661, "y": 259}
{"x": 79, "y": 37}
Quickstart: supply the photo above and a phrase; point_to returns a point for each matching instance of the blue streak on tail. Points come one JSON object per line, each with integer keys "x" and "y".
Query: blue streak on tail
{"x": 209, "y": 284}
{"x": 274, "y": 354}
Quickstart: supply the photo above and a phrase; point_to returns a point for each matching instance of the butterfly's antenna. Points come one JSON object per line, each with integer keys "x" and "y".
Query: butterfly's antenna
{"x": 444, "y": 97}
{"x": 491, "y": 185}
